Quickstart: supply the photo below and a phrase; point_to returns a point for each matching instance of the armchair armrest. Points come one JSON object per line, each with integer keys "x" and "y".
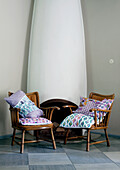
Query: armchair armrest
{"x": 52, "y": 107}
{"x": 48, "y": 111}
{"x": 14, "y": 109}
{"x": 14, "y": 115}
{"x": 70, "y": 107}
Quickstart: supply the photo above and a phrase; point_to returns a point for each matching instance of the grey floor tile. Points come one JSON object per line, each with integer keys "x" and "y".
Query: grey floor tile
{"x": 88, "y": 157}
{"x": 105, "y": 166}
{"x": 48, "y": 159}
{"x": 114, "y": 140}
{"x": 14, "y": 167}
{"x": 79, "y": 147}
{"x": 118, "y": 164}
{"x": 43, "y": 156}
{"x": 52, "y": 167}
{"x": 9, "y": 149}
{"x": 114, "y": 156}
{"x": 104, "y": 148}
{"x": 43, "y": 147}
{"x": 13, "y": 159}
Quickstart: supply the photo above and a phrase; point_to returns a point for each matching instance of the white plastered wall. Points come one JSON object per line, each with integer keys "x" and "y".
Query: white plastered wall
{"x": 14, "y": 40}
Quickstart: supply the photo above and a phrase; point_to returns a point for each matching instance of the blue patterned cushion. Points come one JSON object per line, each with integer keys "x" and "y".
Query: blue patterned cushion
{"x": 27, "y": 107}
{"x": 77, "y": 121}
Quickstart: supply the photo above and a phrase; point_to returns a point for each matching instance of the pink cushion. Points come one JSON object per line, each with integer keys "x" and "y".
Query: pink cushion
{"x": 34, "y": 121}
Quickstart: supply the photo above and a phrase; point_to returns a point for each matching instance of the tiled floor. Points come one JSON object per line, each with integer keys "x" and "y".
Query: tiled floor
{"x": 73, "y": 155}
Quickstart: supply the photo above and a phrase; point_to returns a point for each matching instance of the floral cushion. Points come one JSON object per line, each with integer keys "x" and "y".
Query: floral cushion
{"x": 34, "y": 121}
{"x": 77, "y": 121}
{"x": 27, "y": 107}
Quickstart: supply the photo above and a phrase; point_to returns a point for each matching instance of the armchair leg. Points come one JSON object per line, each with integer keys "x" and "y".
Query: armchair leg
{"x": 22, "y": 142}
{"x": 53, "y": 139}
{"x": 13, "y": 137}
{"x": 88, "y": 140}
{"x": 66, "y": 136}
{"x": 106, "y": 135}
{"x": 37, "y": 135}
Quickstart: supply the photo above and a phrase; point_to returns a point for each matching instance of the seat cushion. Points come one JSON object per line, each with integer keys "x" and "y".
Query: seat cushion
{"x": 26, "y": 106}
{"x": 34, "y": 121}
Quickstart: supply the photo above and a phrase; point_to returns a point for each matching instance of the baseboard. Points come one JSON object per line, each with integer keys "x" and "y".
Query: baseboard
{"x": 7, "y": 136}
{"x": 111, "y": 135}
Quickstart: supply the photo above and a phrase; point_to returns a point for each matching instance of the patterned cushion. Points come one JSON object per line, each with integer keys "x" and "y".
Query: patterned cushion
{"x": 84, "y": 101}
{"x": 34, "y": 121}
{"x": 99, "y": 114}
{"x": 77, "y": 121}
{"x": 107, "y": 102}
{"x": 83, "y": 117}
{"x": 27, "y": 107}
{"x": 86, "y": 109}
{"x": 15, "y": 98}
{"x": 104, "y": 105}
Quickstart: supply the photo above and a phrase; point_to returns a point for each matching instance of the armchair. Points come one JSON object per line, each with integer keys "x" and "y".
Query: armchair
{"x": 16, "y": 125}
{"x": 99, "y": 120}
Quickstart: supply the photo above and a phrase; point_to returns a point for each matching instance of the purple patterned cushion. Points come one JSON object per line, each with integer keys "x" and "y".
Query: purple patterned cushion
{"x": 104, "y": 105}
{"x": 108, "y": 102}
{"x": 86, "y": 108}
{"x": 84, "y": 101}
{"x": 34, "y": 121}
{"x": 27, "y": 107}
